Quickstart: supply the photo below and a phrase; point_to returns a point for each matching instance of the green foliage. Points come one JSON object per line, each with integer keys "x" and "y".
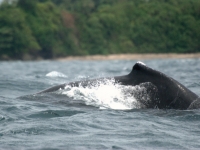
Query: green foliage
{"x": 166, "y": 28}
{"x": 15, "y": 36}
{"x": 55, "y": 28}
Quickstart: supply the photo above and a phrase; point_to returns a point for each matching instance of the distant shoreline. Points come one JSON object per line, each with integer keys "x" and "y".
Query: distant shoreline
{"x": 131, "y": 57}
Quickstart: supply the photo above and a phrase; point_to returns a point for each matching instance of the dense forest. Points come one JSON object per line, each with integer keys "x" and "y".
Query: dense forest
{"x": 32, "y": 29}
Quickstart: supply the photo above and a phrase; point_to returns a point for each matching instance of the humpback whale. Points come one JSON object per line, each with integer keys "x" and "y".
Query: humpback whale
{"x": 164, "y": 91}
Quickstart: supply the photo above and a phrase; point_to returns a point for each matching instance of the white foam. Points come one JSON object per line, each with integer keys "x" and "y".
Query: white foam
{"x": 105, "y": 95}
{"x": 56, "y": 74}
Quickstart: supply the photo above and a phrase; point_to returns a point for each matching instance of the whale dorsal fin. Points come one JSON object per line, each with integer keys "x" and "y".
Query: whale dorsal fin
{"x": 142, "y": 68}
{"x": 138, "y": 66}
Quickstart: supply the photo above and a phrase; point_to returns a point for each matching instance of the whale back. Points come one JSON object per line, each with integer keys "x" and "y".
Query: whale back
{"x": 165, "y": 92}
{"x": 170, "y": 93}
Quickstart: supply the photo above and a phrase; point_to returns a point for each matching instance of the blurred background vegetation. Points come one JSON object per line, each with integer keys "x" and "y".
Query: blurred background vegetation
{"x": 33, "y": 29}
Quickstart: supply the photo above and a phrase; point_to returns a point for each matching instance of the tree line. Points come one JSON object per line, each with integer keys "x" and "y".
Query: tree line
{"x": 31, "y": 29}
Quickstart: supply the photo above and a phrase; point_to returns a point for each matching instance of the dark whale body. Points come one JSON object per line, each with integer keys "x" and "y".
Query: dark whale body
{"x": 164, "y": 91}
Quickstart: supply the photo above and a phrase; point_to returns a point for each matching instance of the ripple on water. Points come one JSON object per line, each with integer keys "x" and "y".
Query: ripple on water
{"x": 54, "y": 113}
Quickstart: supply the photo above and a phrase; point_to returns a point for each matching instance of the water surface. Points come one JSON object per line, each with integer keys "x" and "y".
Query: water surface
{"x": 94, "y": 118}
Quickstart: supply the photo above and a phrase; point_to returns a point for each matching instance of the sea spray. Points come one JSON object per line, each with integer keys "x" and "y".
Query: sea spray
{"x": 106, "y": 94}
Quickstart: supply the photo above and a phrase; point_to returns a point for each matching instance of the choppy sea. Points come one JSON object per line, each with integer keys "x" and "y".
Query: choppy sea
{"x": 99, "y": 117}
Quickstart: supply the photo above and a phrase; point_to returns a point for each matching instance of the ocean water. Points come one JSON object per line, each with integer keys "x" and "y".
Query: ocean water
{"x": 97, "y": 117}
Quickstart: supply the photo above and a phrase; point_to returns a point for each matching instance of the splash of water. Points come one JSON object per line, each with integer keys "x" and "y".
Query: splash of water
{"x": 56, "y": 74}
{"x": 105, "y": 94}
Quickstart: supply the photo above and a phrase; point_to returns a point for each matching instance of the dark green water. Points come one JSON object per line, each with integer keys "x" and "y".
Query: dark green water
{"x": 79, "y": 118}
